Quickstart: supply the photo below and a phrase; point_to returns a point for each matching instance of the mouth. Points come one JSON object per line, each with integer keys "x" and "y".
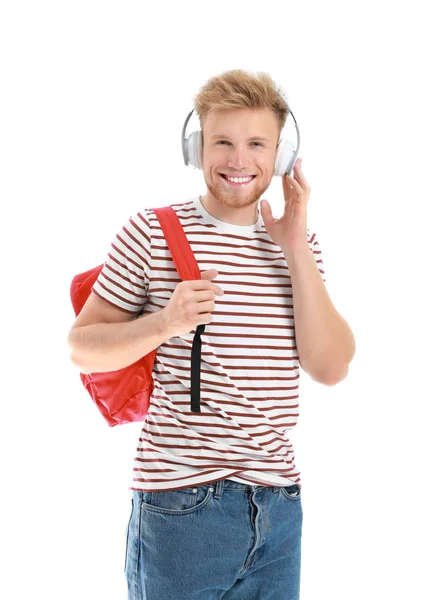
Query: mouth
{"x": 237, "y": 182}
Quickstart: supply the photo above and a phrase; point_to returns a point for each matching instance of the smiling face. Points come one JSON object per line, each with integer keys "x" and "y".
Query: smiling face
{"x": 238, "y": 143}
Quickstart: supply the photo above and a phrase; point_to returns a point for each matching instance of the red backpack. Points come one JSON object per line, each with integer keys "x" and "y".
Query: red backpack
{"x": 123, "y": 396}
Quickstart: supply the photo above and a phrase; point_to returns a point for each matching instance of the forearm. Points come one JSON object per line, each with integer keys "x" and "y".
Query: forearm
{"x": 103, "y": 347}
{"x": 325, "y": 342}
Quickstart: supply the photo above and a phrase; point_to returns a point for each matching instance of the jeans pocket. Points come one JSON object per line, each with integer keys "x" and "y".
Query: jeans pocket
{"x": 292, "y": 492}
{"x": 177, "y": 502}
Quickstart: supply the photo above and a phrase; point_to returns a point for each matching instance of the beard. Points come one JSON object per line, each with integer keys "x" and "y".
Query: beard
{"x": 236, "y": 198}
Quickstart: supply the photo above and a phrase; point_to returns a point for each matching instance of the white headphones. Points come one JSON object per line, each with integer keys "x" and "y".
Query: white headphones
{"x": 285, "y": 156}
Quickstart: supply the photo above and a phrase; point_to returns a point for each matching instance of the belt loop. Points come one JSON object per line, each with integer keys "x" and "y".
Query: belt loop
{"x": 219, "y": 488}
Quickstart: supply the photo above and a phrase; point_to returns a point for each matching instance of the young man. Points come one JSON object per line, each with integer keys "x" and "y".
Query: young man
{"x": 216, "y": 503}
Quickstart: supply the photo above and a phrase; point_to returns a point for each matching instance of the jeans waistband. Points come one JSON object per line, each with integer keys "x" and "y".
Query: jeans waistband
{"x": 219, "y": 486}
{"x": 227, "y": 484}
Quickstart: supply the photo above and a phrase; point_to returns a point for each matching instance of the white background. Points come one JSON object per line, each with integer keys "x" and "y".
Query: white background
{"x": 94, "y": 96}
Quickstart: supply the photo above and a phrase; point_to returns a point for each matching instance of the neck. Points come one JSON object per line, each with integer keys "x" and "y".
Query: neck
{"x": 235, "y": 215}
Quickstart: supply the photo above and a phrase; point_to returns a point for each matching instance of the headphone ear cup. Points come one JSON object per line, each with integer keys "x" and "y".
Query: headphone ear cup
{"x": 285, "y": 158}
{"x": 194, "y": 149}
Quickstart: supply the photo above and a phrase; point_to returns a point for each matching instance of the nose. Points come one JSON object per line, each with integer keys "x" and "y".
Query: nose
{"x": 237, "y": 157}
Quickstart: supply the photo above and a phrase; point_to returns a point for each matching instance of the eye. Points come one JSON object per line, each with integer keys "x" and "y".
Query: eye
{"x": 226, "y": 142}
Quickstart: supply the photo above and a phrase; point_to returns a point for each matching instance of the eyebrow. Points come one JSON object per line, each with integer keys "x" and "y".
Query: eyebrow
{"x": 255, "y": 137}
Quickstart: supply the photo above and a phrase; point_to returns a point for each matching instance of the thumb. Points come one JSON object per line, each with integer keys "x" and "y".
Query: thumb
{"x": 267, "y": 215}
{"x": 210, "y": 274}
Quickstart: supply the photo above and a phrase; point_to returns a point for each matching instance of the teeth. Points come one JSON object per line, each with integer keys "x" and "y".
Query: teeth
{"x": 240, "y": 179}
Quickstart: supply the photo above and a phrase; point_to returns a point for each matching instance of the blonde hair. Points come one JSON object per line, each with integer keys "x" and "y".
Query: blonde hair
{"x": 241, "y": 89}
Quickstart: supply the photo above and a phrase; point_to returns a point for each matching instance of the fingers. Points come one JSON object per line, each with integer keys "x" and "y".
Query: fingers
{"x": 289, "y": 183}
{"x": 298, "y": 182}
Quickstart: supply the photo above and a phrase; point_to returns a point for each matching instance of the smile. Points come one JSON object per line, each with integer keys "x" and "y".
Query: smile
{"x": 238, "y": 181}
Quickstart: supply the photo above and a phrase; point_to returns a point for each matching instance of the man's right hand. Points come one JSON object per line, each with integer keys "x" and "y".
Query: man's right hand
{"x": 191, "y": 304}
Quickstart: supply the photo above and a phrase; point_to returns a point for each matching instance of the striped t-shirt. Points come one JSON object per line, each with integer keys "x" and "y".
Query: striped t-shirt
{"x": 249, "y": 363}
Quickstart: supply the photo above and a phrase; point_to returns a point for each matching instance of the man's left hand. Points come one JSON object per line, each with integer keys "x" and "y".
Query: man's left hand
{"x": 290, "y": 231}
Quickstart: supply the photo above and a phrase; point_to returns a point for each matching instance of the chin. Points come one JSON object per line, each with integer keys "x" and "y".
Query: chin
{"x": 236, "y": 200}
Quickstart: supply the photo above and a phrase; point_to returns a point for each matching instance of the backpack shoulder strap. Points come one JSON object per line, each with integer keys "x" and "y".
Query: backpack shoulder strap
{"x": 179, "y": 247}
{"x": 187, "y": 268}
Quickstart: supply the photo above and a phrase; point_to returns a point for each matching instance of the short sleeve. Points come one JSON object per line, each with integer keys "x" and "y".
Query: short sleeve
{"x": 124, "y": 278}
{"x": 316, "y": 249}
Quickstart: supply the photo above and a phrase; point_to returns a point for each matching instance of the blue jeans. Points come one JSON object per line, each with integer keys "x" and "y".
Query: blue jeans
{"x": 222, "y": 540}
